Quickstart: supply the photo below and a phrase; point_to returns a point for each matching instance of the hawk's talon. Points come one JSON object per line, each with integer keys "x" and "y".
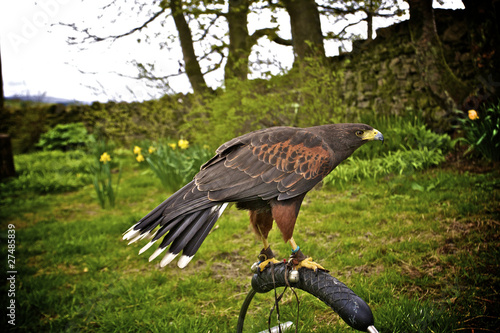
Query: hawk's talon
{"x": 309, "y": 263}
{"x": 266, "y": 256}
{"x": 299, "y": 260}
{"x": 262, "y": 265}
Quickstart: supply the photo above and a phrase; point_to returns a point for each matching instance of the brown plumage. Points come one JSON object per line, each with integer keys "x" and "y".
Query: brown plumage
{"x": 267, "y": 172}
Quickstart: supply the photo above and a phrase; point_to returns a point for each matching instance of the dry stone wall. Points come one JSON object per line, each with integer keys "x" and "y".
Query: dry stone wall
{"x": 383, "y": 76}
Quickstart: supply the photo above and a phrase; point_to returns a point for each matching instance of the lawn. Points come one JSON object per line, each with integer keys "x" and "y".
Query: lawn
{"x": 422, "y": 249}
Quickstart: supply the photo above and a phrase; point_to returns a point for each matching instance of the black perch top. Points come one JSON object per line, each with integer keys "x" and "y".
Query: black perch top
{"x": 349, "y": 306}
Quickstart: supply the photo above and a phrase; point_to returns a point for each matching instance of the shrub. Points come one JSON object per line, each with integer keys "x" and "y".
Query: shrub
{"x": 127, "y": 122}
{"x": 482, "y": 131}
{"x": 65, "y": 137}
{"x": 295, "y": 99}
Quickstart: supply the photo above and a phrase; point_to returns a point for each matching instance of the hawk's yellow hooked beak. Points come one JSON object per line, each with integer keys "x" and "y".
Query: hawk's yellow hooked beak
{"x": 372, "y": 135}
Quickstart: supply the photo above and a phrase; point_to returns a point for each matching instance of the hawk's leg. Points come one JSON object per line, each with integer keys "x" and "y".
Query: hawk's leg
{"x": 285, "y": 214}
{"x": 262, "y": 222}
{"x": 298, "y": 259}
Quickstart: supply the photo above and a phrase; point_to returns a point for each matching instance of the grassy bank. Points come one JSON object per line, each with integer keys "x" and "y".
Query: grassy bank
{"x": 421, "y": 249}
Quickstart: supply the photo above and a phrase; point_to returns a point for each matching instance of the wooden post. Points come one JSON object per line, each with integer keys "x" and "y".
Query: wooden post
{"x": 6, "y": 157}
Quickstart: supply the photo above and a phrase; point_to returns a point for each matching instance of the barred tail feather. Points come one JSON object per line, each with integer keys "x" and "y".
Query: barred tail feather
{"x": 182, "y": 229}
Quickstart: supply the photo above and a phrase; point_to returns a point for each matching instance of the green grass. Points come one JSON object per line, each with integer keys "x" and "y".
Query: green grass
{"x": 421, "y": 249}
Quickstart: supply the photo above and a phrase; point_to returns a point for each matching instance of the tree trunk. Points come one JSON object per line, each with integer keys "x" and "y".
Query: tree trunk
{"x": 6, "y": 158}
{"x": 239, "y": 46}
{"x": 2, "y": 97}
{"x": 443, "y": 85}
{"x": 369, "y": 21}
{"x": 193, "y": 70}
{"x": 307, "y": 37}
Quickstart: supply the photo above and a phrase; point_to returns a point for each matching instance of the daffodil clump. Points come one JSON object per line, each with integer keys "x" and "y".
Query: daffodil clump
{"x": 481, "y": 130}
{"x": 106, "y": 187}
{"x": 182, "y": 144}
{"x": 174, "y": 163}
{"x": 137, "y": 151}
{"x": 140, "y": 156}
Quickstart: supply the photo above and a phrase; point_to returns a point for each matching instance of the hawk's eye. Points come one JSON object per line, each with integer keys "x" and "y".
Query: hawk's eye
{"x": 359, "y": 133}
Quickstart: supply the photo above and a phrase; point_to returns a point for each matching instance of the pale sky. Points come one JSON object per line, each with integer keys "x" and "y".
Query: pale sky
{"x": 37, "y": 60}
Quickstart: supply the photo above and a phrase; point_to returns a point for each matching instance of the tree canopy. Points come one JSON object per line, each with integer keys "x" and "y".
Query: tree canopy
{"x": 234, "y": 36}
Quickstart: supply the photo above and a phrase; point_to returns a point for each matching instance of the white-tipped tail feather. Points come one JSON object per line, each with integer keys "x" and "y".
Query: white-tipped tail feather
{"x": 184, "y": 261}
{"x": 149, "y": 235}
{"x": 128, "y": 230}
{"x": 146, "y": 247}
{"x": 136, "y": 238}
{"x": 157, "y": 252}
{"x": 167, "y": 259}
{"x": 131, "y": 234}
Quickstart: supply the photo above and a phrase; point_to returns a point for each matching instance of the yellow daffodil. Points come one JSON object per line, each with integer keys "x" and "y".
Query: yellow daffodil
{"x": 140, "y": 158}
{"x": 105, "y": 158}
{"x": 151, "y": 149}
{"x": 137, "y": 150}
{"x": 183, "y": 144}
{"x": 473, "y": 115}
{"x": 172, "y": 145}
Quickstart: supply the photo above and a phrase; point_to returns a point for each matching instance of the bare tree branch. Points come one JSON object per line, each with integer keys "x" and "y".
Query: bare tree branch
{"x": 95, "y": 38}
{"x": 281, "y": 41}
{"x": 271, "y": 34}
{"x": 206, "y": 30}
{"x": 338, "y": 11}
{"x": 341, "y": 35}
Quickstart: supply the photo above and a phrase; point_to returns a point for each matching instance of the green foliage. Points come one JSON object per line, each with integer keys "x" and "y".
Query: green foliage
{"x": 49, "y": 172}
{"x": 65, "y": 137}
{"x": 418, "y": 136}
{"x": 409, "y": 146}
{"x": 243, "y": 106}
{"x": 393, "y": 162}
{"x": 408, "y": 132}
{"x": 483, "y": 133}
{"x": 102, "y": 175}
{"x": 174, "y": 164}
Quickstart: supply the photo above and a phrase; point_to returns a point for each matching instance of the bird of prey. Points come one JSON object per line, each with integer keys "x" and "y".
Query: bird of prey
{"x": 267, "y": 172}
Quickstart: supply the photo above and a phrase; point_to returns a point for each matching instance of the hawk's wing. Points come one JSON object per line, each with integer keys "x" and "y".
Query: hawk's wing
{"x": 278, "y": 162}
